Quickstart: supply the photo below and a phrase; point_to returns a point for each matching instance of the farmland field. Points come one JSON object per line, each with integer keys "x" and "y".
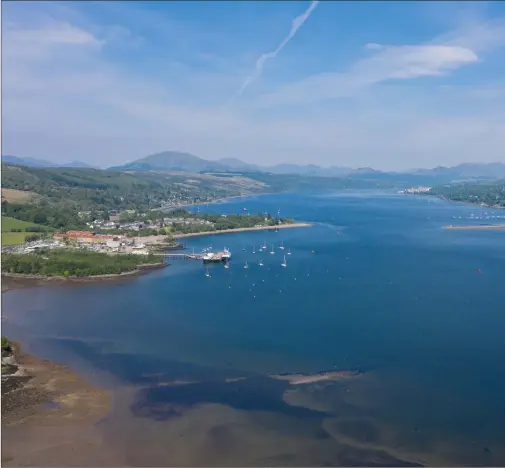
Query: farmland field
{"x": 10, "y": 238}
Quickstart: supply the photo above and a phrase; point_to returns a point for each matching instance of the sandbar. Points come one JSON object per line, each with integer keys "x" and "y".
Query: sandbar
{"x": 476, "y": 227}
{"x": 300, "y": 379}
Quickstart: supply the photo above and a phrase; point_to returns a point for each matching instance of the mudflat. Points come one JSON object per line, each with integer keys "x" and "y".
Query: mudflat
{"x": 50, "y": 413}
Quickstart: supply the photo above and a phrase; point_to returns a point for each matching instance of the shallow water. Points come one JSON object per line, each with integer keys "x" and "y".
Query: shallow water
{"x": 387, "y": 291}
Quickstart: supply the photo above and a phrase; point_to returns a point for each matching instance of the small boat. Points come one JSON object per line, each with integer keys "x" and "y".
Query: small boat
{"x": 260, "y": 263}
{"x": 284, "y": 264}
{"x": 281, "y": 246}
{"x": 313, "y": 251}
{"x": 254, "y": 249}
{"x": 207, "y": 274}
{"x": 226, "y": 266}
{"x": 289, "y": 251}
{"x": 246, "y": 266}
{"x": 272, "y": 251}
{"x": 264, "y": 245}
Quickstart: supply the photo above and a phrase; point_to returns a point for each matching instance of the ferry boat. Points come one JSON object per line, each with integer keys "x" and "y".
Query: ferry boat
{"x": 216, "y": 257}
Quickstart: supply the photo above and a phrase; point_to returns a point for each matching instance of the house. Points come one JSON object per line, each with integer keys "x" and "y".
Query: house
{"x": 85, "y": 236}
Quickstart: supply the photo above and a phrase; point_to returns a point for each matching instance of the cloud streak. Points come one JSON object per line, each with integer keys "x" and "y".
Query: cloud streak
{"x": 388, "y": 63}
{"x": 296, "y": 24}
{"x": 439, "y": 57}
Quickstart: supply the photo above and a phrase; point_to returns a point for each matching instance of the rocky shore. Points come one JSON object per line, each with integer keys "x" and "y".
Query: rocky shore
{"x": 49, "y": 413}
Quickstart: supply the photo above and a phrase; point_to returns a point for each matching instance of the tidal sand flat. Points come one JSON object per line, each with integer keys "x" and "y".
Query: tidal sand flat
{"x": 49, "y": 413}
{"x": 301, "y": 379}
{"x": 193, "y": 362}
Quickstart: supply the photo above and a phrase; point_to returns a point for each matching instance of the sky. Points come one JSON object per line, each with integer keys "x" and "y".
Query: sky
{"x": 391, "y": 85}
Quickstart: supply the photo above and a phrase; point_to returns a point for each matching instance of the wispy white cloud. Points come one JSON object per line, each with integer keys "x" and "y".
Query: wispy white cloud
{"x": 296, "y": 24}
{"x": 438, "y": 57}
{"x": 35, "y": 42}
{"x": 389, "y": 63}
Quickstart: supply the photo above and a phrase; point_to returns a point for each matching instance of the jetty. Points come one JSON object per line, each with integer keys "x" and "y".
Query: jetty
{"x": 208, "y": 257}
{"x": 178, "y": 256}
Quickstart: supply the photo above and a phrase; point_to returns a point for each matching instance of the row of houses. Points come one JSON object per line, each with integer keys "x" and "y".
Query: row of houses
{"x": 86, "y": 237}
{"x": 103, "y": 242}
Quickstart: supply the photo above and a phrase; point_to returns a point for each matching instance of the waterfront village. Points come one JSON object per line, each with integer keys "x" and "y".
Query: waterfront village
{"x": 131, "y": 232}
{"x": 413, "y": 190}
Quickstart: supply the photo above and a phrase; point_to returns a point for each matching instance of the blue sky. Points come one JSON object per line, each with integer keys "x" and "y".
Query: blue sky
{"x": 393, "y": 85}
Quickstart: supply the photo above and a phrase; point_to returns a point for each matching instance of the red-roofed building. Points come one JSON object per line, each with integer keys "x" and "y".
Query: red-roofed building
{"x": 84, "y": 236}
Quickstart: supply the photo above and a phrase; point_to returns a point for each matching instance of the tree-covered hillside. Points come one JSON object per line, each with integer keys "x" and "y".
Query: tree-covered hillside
{"x": 490, "y": 194}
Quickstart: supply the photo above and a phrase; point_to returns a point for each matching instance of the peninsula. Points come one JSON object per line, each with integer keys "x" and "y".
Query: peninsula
{"x": 73, "y": 264}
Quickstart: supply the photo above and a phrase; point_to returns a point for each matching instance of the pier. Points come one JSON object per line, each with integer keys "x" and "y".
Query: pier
{"x": 179, "y": 256}
{"x": 209, "y": 257}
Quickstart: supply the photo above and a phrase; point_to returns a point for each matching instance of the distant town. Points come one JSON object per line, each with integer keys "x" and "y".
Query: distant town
{"x": 416, "y": 190}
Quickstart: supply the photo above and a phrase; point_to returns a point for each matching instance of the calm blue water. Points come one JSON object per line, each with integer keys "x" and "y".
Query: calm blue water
{"x": 387, "y": 291}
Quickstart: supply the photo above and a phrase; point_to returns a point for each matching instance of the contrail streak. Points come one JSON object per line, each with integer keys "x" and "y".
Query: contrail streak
{"x": 296, "y": 24}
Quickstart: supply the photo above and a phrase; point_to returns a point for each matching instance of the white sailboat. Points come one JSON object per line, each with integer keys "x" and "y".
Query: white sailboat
{"x": 272, "y": 251}
{"x": 226, "y": 265}
{"x": 246, "y": 266}
{"x": 284, "y": 264}
{"x": 281, "y": 246}
{"x": 289, "y": 251}
{"x": 207, "y": 274}
{"x": 264, "y": 245}
{"x": 254, "y": 249}
{"x": 260, "y": 263}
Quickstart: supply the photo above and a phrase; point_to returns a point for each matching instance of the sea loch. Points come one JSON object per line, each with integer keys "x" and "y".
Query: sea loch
{"x": 375, "y": 285}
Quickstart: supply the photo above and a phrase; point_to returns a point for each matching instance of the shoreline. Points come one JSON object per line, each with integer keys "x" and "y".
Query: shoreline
{"x": 217, "y": 200}
{"x": 462, "y": 202}
{"x": 247, "y": 229}
{"x": 475, "y": 227}
{"x": 40, "y": 279}
{"x": 49, "y": 412}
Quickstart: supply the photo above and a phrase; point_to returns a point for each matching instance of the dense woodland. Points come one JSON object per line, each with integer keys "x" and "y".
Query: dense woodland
{"x": 72, "y": 263}
{"x": 45, "y": 215}
{"x": 490, "y": 193}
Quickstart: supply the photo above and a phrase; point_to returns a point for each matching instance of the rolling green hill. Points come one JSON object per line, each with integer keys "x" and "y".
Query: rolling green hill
{"x": 86, "y": 189}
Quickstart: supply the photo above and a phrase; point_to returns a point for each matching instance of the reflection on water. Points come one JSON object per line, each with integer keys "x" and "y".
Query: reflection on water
{"x": 387, "y": 291}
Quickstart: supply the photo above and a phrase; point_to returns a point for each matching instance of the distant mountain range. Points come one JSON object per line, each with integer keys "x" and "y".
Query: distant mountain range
{"x": 176, "y": 161}
{"x": 185, "y": 162}
{"x": 33, "y": 162}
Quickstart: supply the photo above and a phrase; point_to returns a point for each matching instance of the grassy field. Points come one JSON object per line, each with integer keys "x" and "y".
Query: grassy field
{"x": 17, "y": 196}
{"x": 11, "y": 238}
{"x": 9, "y": 223}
